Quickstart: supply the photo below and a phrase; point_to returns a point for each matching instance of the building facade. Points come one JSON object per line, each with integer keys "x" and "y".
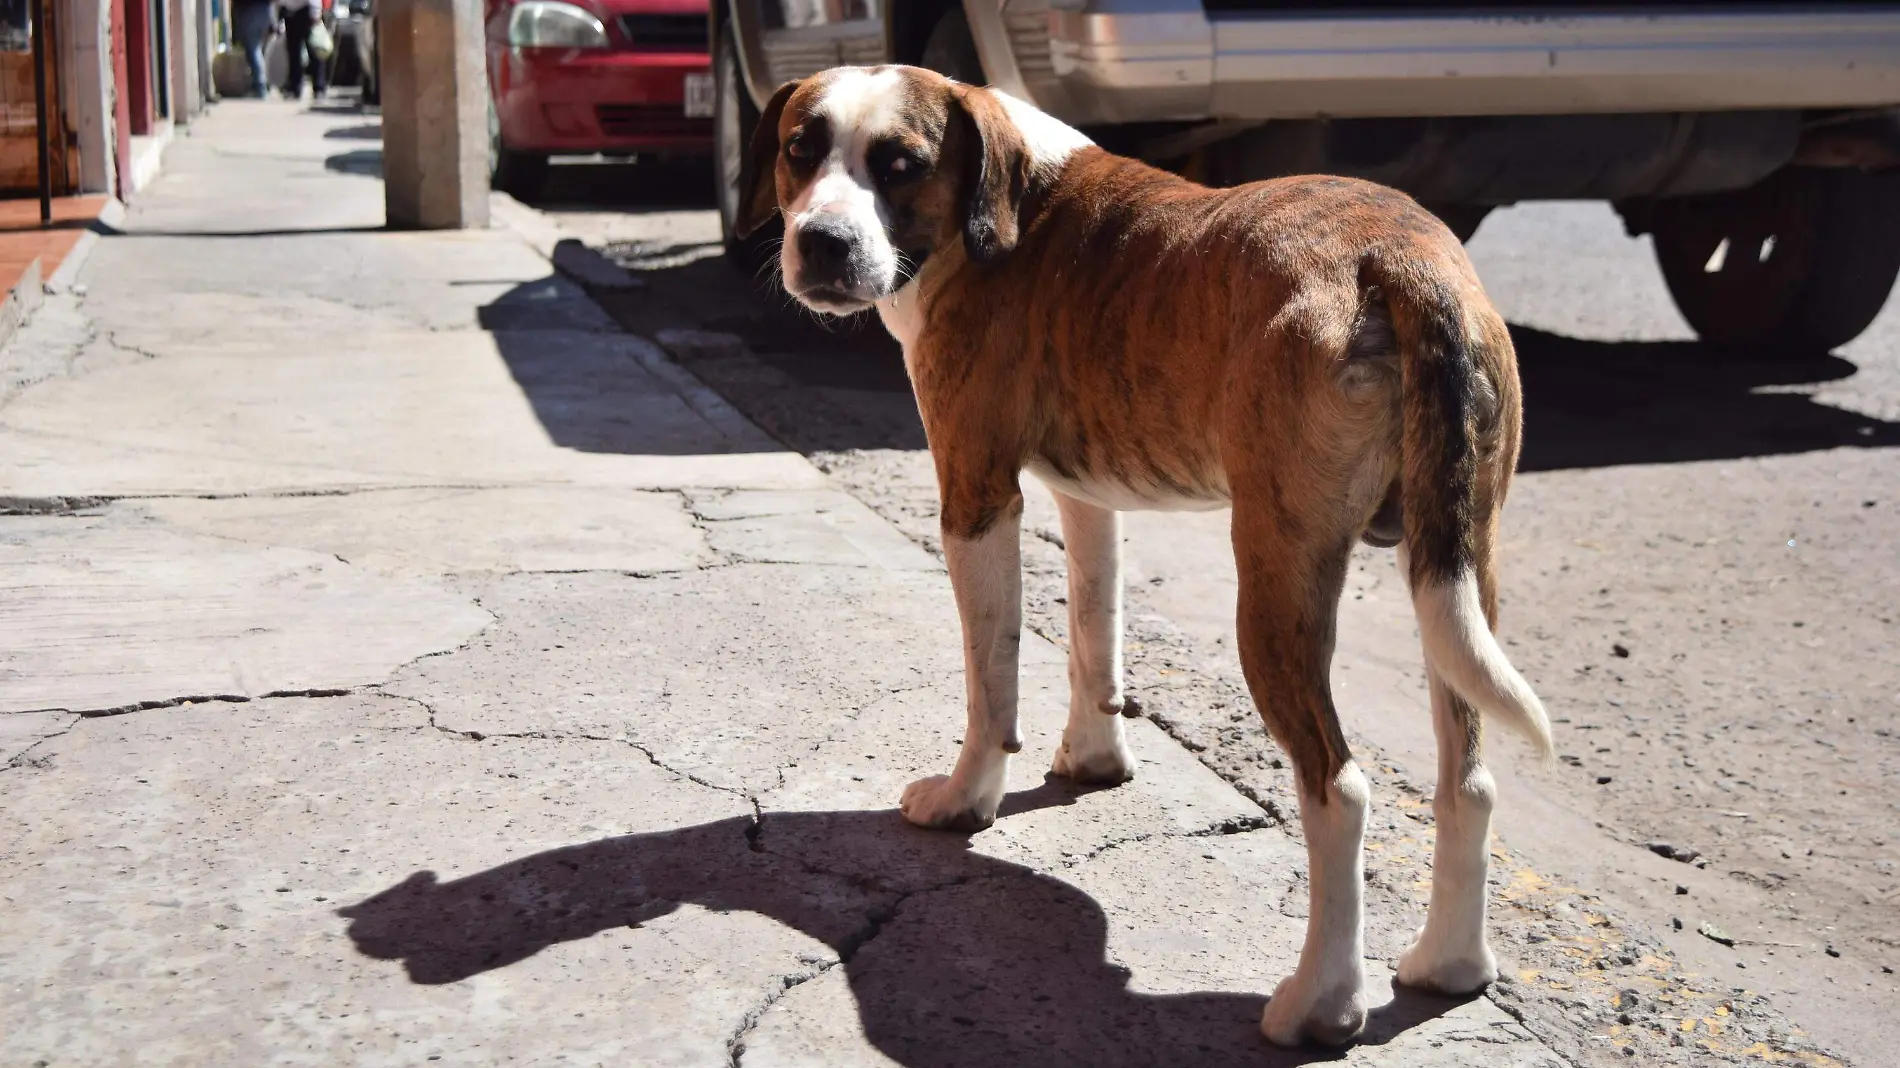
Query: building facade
{"x": 121, "y": 75}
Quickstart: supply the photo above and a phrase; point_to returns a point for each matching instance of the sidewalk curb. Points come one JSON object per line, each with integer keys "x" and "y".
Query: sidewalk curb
{"x": 67, "y": 275}
{"x": 26, "y": 296}
{"x": 21, "y": 301}
{"x": 568, "y": 255}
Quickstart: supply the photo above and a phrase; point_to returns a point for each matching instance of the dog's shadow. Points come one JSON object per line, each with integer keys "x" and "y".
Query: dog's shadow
{"x": 993, "y": 964}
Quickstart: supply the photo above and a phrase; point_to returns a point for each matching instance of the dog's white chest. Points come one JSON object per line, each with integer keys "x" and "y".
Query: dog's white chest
{"x": 903, "y": 315}
{"x": 1123, "y": 498}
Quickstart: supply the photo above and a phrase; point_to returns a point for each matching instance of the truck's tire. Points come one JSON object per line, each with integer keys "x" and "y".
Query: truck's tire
{"x": 950, "y": 49}
{"x": 1806, "y": 259}
{"x": 734, "y": 119}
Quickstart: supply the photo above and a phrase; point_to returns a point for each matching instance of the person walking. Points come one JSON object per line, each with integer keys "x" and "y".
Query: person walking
{"x": 300, "y": 18}
{"x": 251, "y": 22}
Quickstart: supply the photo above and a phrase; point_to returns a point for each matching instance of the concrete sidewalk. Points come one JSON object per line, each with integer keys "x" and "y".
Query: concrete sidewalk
{"x": 400, "y": 664}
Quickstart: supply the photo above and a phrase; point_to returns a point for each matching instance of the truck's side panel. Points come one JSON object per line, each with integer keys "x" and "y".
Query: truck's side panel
{"x": 1144, "y": 65}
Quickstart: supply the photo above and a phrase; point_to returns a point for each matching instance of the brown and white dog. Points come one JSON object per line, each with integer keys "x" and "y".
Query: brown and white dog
{"x": 1316, "y": 352}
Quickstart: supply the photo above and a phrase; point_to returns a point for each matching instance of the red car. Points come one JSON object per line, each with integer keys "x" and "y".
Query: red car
{"x": 579, "y": 77}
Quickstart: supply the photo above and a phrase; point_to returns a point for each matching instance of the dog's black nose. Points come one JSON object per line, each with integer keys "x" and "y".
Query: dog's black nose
{"x": 824, "y": 249}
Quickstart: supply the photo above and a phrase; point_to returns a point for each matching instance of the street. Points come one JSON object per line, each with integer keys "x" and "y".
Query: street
{"x": 412, "y": 653}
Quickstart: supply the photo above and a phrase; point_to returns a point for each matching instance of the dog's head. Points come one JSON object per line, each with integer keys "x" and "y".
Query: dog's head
{"x": 875, "y": 169}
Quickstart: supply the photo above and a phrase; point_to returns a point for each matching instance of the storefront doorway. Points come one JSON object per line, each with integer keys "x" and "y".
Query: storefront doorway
{"x": 19, "y": 131}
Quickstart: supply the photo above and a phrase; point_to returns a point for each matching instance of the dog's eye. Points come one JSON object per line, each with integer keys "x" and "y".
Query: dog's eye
{"x": 796, "y": 147}
{"x": 900, "y": 167}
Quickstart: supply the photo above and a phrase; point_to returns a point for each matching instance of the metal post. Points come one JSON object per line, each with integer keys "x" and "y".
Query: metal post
{"x": 39, "y": 97}
{"x": 162, "y": 60}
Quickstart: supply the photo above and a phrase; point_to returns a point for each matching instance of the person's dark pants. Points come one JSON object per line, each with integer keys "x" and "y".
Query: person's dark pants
{"x": 251, "y": 19}
{"x": 297, "y": 49}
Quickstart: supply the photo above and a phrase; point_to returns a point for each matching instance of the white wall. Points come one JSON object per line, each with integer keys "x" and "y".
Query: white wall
{"x": 85, "y": 65}
{"x": 182, "y": 31}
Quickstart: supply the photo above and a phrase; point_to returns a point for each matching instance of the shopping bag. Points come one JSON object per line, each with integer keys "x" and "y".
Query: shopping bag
{"x": 321, "y": 43}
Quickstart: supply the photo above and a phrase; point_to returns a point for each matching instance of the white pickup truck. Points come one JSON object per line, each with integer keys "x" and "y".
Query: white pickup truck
{"x": 1758, "y": 142}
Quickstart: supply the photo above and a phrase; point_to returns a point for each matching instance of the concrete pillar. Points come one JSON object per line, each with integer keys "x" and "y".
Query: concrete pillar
{"x": 187, "y": 89}
{"x": 435, "y": 113}
{"x": 85, "y": 73}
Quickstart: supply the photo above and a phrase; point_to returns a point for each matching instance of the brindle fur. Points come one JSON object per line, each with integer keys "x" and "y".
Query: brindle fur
{"x": 1309, "y": 348}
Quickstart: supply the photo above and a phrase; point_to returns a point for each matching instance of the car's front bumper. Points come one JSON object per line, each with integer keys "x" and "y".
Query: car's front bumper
{"x": 579, "y": 101}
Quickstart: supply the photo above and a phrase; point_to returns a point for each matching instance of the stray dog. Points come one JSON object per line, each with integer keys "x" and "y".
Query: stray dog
{"x": 1315, "y": 352}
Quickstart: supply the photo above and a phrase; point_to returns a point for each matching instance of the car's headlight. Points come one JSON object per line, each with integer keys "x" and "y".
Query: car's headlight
{"x": 550, "y": 24}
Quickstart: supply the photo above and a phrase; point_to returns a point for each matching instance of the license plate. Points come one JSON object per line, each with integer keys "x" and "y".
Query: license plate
{"x": 699, "y": 96}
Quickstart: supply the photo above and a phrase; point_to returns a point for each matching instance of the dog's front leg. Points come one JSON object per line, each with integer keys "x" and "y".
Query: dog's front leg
{"x": 986, "y": 573}
{"x": 1094, "y": 745}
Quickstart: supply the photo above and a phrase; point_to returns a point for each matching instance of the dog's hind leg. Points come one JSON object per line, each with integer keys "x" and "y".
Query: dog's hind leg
{"x": 1094, "y": 745}
{"x": 1462, "y": 431}
{"x": 985, "y": 563}
{"x": 1289, "y": 593}
{"x": 1450, "y": 954}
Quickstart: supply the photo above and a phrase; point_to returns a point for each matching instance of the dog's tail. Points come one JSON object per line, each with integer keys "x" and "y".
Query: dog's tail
{"x": 1461, "y": 418}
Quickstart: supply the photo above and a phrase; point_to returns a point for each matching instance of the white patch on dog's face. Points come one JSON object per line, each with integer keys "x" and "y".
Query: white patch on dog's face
{"x": 838, "y": 256}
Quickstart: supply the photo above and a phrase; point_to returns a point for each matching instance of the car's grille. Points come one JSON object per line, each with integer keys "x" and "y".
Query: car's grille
{"x": 665, "y": 33}
{"x": 649, "y": 120}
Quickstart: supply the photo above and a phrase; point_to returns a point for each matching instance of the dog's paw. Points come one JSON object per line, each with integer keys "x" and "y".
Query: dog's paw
{"x": 1095, "y": 750}
{"x": 1302, "y": 1010}
{"x": 941, "y": 803}
{"x": 1435, "y": 965}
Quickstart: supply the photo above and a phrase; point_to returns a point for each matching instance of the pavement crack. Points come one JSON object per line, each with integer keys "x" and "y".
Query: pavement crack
{"x": 463, "y": 646}
{"x": 148, "y": 706}
{"x": 755, "y": 829}
{"x": 874, "y": 923}
{"x": 43, "y": 506}
{"x": 702, "y": 524}
{"x": 25, "y": 759}
{"x": 61, "y": 504}
{"x": 735, "y": 1045}
{"x": 697, "y": 780}
{"x": 195, "y": 699}
{"x": 1235, "y": 825}
{"x": 111, "y": 338}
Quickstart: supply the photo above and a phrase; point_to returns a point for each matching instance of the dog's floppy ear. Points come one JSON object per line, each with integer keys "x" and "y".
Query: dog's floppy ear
{"x": 758, "y": 188}
{"x": 995, "y": 174}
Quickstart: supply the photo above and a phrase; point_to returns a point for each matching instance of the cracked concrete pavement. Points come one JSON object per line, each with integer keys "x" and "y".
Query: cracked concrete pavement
{"x": 400, "y": 663}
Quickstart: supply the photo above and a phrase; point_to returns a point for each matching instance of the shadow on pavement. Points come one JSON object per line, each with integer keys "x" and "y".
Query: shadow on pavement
{"x": 1601, "y": 404}
{"x": 1587, "y": 403}
{"x": 369, "y": 131}
{"x": 364, "y": 162}
{"x": 678, "y": 184}
{"x": 313, "y": 231}
{"x": 586, "y": 384}
{"x": 994, "y": 964}
{"x": 820, "y": 384}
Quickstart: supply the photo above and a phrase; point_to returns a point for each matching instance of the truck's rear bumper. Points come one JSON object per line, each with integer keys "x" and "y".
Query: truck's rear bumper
{"x": 1103, "y": 61}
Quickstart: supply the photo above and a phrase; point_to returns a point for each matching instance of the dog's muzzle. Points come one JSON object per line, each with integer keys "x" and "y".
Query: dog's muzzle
{"x": 836, "y": 271}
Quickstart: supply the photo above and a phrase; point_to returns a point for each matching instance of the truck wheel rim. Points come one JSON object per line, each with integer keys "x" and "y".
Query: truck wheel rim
{"x": 726, "y": 107}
